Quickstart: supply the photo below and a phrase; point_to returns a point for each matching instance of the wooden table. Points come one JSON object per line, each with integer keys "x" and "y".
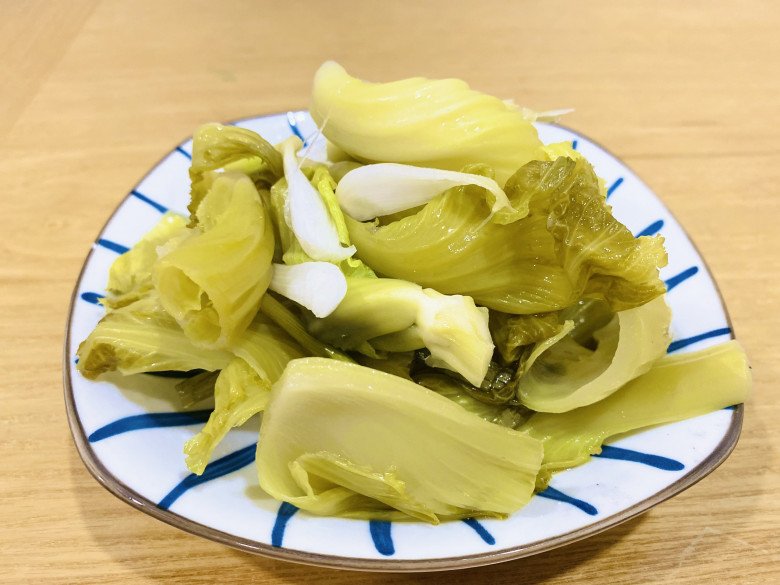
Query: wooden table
{"x": 93, "y": 92}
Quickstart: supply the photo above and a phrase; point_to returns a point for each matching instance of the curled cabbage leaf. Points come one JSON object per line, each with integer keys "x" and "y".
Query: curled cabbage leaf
{"x": 452, "y": 327}
{"x": 569, "y": 246}
{"x": 142, "y": 337}
{"x": 563, "y": 374}
{"x": 130, "y": 276}
{"x": 215, "y": 146}
{"x": 212, "y": 282}
{"x": 512, "y": 333}
{"x": 383, "y": 189}
{"x": 433, "y": 123}
{"x": 243, "y": 388}
{"x": 676, "y": 388}
{"x": 341, "y": 439}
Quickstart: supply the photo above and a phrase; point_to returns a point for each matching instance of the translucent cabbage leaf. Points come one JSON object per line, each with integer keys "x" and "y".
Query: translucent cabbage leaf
{"x": 382, "y": 189}
{"x": 286, "y": 319}
{"x": 215, "y": 146}
{"x": 307, "y": 215}
{"x": 239, "y": 394}
{"x": 522, "y": 267}
{"x": 142, "y": 337}
{"x": 341, "y": 439}
{"x": 196, "y": 389}
{"x": 318, "y": 286}
{"x": 677, "y": 387}
{"x": 500, "y": 414}
{"x": 567, "y": 375}
{"x": 511, "y": 333}
{"x": 433, "y": 123}
{"x": 453, "y": 328}
{"x": 130, "y": 276}
{"x": 212, "y": 282}
{"x": 243, "y": 387}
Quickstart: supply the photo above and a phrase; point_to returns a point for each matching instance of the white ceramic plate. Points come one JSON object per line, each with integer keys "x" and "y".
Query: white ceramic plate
{"x": 130, "y": 433}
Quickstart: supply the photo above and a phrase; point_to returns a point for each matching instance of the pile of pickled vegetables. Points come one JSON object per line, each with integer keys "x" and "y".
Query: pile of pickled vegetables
{"x": 432, "y": 321}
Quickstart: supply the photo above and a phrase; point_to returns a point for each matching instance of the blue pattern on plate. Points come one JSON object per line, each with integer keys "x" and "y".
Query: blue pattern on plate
{"x": 680, "y": 278}
{"x": 614, "y": 186}
{"x": 223, "y": 466}
{"x": 652, "y": 229}
{"x": 680, "y": 343}
{"x": 293, "y": 124}
{"x": 553, "y": 494}
{"x": 283, "y": 515}
{"x": 92, "y": 297}
{"x": 180, "y": 150}
{"x": 480, "y": 530}
{"x": 158, "y": 206}
{"x": 113, "y": 246}
{"x": 382, "y": 537}
{"x": 152, "y": 420}
{"x": 665, "y": 463}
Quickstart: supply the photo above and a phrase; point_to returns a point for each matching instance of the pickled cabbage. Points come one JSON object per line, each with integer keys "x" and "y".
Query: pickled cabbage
{"x": 342, "y": 439}
{"x": 212, "y": 282}
{"x": 677, "y": 387}
{"x": 433, "y": 123}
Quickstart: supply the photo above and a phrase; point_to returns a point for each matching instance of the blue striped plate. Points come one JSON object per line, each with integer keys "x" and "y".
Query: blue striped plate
{"x": 130, "y": 433}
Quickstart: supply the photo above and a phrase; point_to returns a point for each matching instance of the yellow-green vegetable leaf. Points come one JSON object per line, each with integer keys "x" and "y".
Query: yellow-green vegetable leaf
{"x": 282, "y": 316}
{"x": 564, "y": 374}
{"x": 676, "y": 388}
{"x": 383, "y": 189}
{"x": 511, "y": 333}
{"x": 215, "y": 146}
{"x": 142, "y": 337}
{"x": 212, "y": 282}
{"x": 433, "y": 123}
{"x": 341, "y": 439}
{"x": 568, "y": 246}
{"x": 453, "y": 328}
{"x": 242, "y": 388}
{"x": 239, "y": 394}
{"x": 130, "y": 276}
{"x": 600, "y": 254}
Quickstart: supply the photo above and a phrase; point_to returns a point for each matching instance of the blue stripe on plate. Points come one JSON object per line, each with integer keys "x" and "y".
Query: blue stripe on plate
{"x": 383, "y": 539}
{"x": 158, "y": 206}
{"x": 680, "y": 343}
{"x": 680, "y": 278}
{"x": 113, "y": 246}
{"x": 480, "y": 530}
{"x": 652, "y": 229}
{"x": 223, "y": 466}
{"x": 180, "y": 150}
{"x": 609, "y": 452}
{"x": 553, "y": 494}
{"x": 149, "y": 421}
{"x": 614, "y": 186}
{"x": 92, "y": 297}
{"x": 283, "y": 515}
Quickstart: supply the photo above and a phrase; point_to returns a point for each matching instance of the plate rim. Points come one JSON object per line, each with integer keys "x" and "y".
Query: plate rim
{"x": 126, "y": 494}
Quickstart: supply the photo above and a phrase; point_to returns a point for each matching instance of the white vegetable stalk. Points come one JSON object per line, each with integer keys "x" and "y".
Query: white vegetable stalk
{"x": 381, "y": 189}
{"x": 318, "y": 286}
{"x": 307, "y": 215}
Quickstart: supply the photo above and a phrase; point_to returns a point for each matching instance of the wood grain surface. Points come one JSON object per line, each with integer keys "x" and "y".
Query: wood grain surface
{"x": 92, "y": 93}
